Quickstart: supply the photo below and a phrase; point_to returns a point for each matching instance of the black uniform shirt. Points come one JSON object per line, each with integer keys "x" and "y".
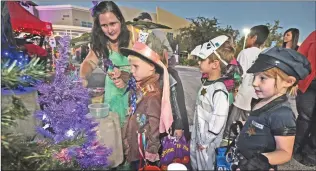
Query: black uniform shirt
{"x": 274, "y": 119}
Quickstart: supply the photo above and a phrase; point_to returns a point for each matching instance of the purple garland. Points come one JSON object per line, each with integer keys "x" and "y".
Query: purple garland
{"x": 131, "y": 86}
{"x": 108, "y": 64}
{"x": 65, "y": 112}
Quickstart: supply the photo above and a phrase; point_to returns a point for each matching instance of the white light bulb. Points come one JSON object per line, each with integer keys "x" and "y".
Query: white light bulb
{"x": 70, "y": 133}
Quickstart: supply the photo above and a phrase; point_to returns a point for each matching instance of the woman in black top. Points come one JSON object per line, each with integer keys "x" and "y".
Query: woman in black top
{"x": 267, "y": 138}
{"x": 290, "y": 38}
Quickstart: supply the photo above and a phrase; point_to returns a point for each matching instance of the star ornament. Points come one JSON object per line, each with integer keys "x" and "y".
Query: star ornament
{"x": 251, "y": 131}
{"x": 70, "y": 133}
{"x": 203, "y": 92}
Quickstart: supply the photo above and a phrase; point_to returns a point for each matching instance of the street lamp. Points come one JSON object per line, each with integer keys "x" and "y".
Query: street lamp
{"x": 246, "y": 32}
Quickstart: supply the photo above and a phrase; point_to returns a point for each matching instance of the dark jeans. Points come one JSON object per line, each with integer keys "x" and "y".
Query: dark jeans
{"x": 135, "y": 165}
{"x": 306, "y": 121}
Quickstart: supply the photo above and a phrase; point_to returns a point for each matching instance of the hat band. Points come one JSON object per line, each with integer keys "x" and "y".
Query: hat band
{"x": 219, "y": 57}
{"x": 146, "y": 51}
{"x": 281, "y": 65}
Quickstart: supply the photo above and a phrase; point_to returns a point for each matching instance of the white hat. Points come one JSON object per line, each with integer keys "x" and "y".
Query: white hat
{"x": 211, "y": 46}
{"x": 196, "y": 50}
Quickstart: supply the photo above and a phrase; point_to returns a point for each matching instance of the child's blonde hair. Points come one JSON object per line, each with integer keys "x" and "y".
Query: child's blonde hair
{"x": 226, "y": 52}
{"x": 278, "y": 74}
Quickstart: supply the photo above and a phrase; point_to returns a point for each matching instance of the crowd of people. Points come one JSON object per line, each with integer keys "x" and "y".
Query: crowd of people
{"x": 258, "y": 102}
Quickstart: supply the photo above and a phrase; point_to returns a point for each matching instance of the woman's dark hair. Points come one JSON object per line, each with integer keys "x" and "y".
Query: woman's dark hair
{"x": 295, "y": 36}
{"x": 98, "y": 39}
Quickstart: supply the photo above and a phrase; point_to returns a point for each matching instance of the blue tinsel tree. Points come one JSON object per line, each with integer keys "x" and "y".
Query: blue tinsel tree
{"x": 65, "y": 118}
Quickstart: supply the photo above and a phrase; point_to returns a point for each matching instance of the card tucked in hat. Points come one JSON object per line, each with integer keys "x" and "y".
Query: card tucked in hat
{"x": 148, "y": 48}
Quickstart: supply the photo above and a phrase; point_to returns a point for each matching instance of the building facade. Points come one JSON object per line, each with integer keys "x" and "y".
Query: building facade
{"x": 66, "y": 19}
{"x": 74, "y": 20}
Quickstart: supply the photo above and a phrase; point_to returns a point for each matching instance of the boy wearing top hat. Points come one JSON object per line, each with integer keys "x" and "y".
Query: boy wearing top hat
{"x": 266, "y": 139}
{"x": 150, "y": 112}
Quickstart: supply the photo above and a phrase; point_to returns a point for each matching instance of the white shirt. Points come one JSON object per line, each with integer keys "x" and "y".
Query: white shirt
{"x": 246, "y": 91}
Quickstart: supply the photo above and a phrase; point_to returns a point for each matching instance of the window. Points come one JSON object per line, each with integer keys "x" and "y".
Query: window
{"x": 65, "y": 16}
{"x": 68, "y": 32}
{"x": 84, "y": 24}
{"x": 75, "y": 34}
{"x": 89, "y": 25}
{"x": 170, "y": 35}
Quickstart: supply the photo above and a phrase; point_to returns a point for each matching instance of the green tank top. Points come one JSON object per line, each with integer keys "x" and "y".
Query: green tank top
{"x": 113, "y": 95}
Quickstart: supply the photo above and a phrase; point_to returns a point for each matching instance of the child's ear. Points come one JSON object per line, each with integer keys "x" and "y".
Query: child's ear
{"x": 216, "y": 64}
{"x": 254, "y": 38}
{"x": 152, "y": 67}
{"x": 290, "y": 81}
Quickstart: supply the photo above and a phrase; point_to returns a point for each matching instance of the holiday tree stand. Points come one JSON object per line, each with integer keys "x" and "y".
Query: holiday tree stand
{"x": 25, "y": 126}
{"x": 110, "y": 127}
{"x": 17, "y": 79}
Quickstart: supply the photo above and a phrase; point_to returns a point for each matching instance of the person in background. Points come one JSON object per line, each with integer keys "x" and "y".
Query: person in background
{"x": 181, "y": 123}
{"x": 290, "y": 38}
{"x": 242, "y": 104}
{"x": 84, "y": 52}
{"x": 305, "y": 140}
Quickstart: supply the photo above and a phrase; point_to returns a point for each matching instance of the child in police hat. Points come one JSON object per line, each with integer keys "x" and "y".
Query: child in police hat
{"x": 266, "y": 139}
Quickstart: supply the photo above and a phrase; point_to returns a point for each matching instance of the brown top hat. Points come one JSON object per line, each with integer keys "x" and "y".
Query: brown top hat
{"x": 145, "y": 53}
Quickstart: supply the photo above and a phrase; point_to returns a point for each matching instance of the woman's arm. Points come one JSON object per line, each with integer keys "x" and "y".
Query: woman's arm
{"x": 283, "y": 152}
{"x": 87, "y": 66}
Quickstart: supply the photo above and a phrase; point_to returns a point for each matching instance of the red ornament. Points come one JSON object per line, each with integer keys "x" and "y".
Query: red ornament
{"x": 149, "y": 167}
{"x": 176, "y": 160}
{"x": 164, "y": 168}
{"x": 185, "y": 160}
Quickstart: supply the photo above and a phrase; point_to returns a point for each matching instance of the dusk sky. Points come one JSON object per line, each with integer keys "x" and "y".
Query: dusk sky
{"x": 239, "y": 15}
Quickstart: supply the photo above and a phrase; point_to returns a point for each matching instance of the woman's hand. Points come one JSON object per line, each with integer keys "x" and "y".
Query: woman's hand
{"x": 119, "y": 83}
{"x": 115, "y": 76}
{"x": 116, "y": 73}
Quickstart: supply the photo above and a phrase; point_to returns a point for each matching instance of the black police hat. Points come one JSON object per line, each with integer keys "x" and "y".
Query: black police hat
{"x": 288, "y": 60}
{"x": 142, "y": 16}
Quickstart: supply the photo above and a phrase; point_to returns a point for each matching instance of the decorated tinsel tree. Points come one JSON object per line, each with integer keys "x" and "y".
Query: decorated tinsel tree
{"x": 66, "y": 124}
